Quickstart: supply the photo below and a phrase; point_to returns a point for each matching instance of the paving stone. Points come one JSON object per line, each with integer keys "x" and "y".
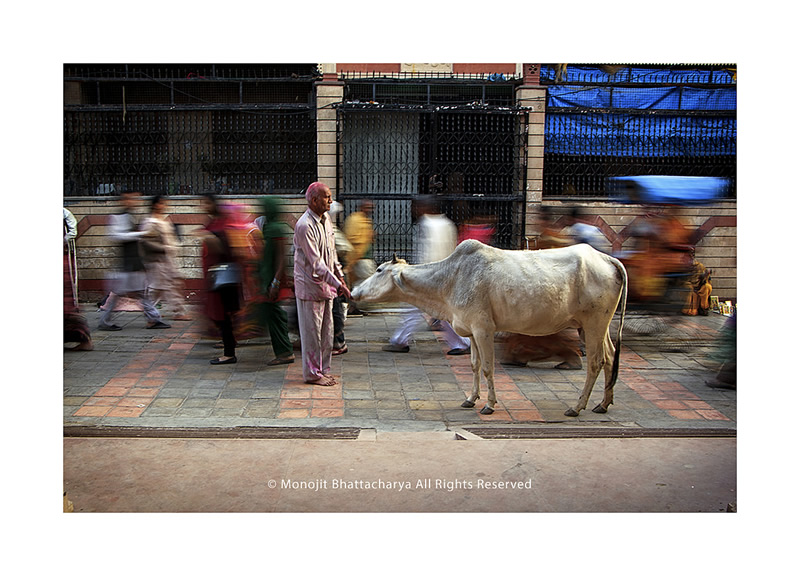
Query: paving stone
{"x": 230, "y": 404}
{"x": 358, "y": 394}
{"x": 395, "y": 414}
{"x": 370, "y": 414}
{"x": 166, "y": 402}
{"x": 463, "y": 415}
{"x": 174, "y": 392}
{"x": 236, "y": 393}
{"x": 193, "y": 412}
{"x": 391, "y": 405}
{"x": 160, "y": 411}
{"x": 261, "y": 409}
{"x": 262, "y": 393}
{"x": 205, "y": 393}
{"x": 240, "y": 383}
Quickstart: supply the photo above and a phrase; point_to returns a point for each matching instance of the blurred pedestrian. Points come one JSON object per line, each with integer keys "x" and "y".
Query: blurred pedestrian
{"x": 131, "y": 281}
{"x": 360, "y": 232}
{"x": 273, "y": 280}
{"x": 478, "y": 227}
{"x": 726, "y": 355}
{"x": 344, "y": 250}
{"x": 245, "y": 238}
{"x": 435, "y": 239}
{"x": 318, "y": 279}
{"x": 550, "y": 235}
{"x": 224, "y": 300}
{"x": 76, "y": 329}
{"x": 583, "y": 232}
{"x": 160, "y": 256}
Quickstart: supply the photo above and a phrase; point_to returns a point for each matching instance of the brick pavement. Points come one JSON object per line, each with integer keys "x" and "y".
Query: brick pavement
{"x": 139, "y": 377}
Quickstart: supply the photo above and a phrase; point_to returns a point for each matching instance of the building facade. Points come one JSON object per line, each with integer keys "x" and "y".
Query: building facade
{"x": 497, "y": 142}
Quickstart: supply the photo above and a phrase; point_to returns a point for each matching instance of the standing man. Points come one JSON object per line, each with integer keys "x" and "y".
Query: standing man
{"x": 131, "y": 280}
{"x": 318, "y": 279}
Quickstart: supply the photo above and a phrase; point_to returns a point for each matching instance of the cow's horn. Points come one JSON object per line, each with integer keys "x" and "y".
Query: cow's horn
{"x": 394, "y": 258}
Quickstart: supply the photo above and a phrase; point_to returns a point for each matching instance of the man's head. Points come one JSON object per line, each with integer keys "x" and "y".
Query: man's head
{"x": 158, "y": 204}
{"x": 425, "y": 204}
{"x": 209, "y": 204}
{"x": 319, "y": 198}
{"x": 130, "y": 199}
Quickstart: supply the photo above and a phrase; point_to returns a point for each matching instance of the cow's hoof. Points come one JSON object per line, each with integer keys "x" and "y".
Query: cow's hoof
{"x": 468, "y": 404}
{"x": 487, "y": 410}
{"x": 599, "y": 409}
{"x": 570, "y": 412}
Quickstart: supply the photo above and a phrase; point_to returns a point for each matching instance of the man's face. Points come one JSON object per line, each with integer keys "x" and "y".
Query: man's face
{"x": 130, "y": 200}
{"x": 321, "y": 203}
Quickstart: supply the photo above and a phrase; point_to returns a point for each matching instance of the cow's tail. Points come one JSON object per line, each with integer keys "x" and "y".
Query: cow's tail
{"x": 623, "y": 302}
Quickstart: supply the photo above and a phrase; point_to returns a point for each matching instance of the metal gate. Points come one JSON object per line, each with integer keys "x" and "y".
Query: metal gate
{"x": 472, "y": 157}
{"x": 188, "y": 129}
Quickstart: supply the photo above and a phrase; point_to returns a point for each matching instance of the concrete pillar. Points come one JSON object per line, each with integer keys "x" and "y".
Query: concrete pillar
{"x": 329, "y": 91}
{"x": 533, "y": 96}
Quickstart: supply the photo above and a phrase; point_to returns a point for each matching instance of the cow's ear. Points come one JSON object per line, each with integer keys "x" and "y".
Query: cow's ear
{"x": 397, "y": 276}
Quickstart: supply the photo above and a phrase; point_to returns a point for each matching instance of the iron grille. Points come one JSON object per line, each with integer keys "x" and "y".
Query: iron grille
{"x": 187, "y": 129}
{"x": 190, "y": 71}
{"x": 188, "y": 152}
{"x": 473, "y": 157}
{"x": 434, "y": 93}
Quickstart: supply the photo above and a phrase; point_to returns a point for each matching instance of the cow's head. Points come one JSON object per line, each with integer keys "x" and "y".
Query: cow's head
{"x": 382, "y": 286}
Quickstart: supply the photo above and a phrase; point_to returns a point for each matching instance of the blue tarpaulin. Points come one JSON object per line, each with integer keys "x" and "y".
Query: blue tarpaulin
{"x": 638, "y": 74}
{"x": 621, "y": 119}
{"x": 663, "y": 98}
{"x": 680, "y": 190}
{"x": 634, "y": 135}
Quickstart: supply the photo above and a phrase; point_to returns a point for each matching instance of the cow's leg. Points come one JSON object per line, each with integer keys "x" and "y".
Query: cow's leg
{"x": 483, "y": 340}
{"x": 475, "y": 361}
{"x": 608, "y": 369}
{"x": 594, "y": 363}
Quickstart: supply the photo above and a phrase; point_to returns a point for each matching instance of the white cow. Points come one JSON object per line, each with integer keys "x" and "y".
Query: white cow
{"x": 481, "y": 290}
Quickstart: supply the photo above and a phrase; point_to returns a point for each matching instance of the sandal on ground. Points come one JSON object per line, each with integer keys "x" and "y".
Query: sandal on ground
{"x": 229, "y": 360}
{"x": 339, "y": 351}
{"x": 279, "y": 361}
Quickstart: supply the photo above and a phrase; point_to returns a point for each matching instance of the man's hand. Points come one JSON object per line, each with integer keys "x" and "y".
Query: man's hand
{"x": 344, "y": 291}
